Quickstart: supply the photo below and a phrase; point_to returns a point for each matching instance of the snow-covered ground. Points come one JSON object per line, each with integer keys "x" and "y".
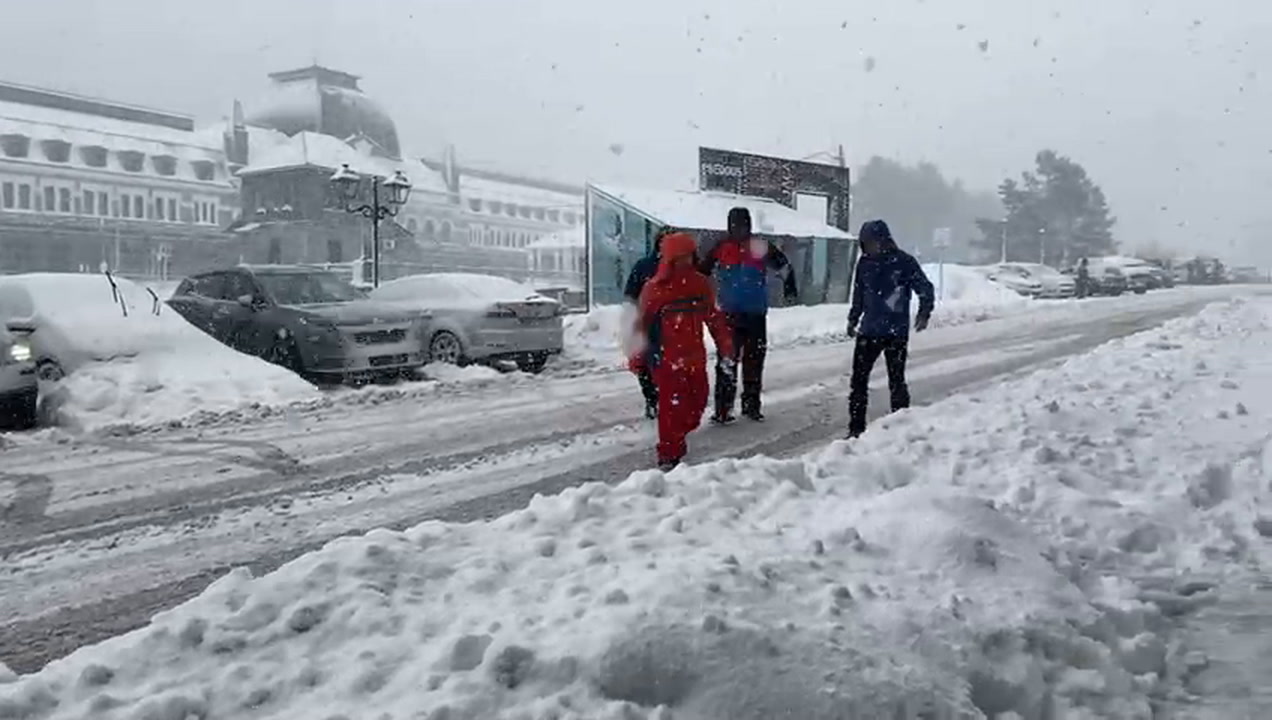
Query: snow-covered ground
{"x": 1016, "y": 550}
{"x": 967, "y": 297}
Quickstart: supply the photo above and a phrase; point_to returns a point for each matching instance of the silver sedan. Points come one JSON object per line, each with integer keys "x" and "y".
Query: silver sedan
{"x": 480, "y": 318}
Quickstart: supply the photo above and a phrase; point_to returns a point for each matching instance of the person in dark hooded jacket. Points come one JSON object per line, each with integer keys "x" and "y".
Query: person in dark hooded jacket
{"x": 879, "y": 317}
{"x": 641, "y": 273}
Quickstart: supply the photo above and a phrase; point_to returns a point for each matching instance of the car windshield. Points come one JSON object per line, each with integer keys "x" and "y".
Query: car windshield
{"x": 298, "y": 288}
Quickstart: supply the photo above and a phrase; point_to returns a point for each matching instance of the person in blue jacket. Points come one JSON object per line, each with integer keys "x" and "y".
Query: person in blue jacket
{"x": 879, "y": 317}
{"x": 741, "y": 263}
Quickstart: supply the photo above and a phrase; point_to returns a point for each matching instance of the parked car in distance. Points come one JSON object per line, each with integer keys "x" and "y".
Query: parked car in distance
{"x": 19, "y": 389}
{"x": 1246, "y": 275}
{"x": 1163, "y": 275}
{"x": 480, "y": 318}
{"x": 1014, "y": 278}
{"x": 305, "y": 319}
{"x": 1052, "y": 283}
{"x": 1105, "y": 279}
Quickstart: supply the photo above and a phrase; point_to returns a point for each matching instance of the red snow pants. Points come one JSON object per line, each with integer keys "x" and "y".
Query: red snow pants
{"x": 682, "y": 398}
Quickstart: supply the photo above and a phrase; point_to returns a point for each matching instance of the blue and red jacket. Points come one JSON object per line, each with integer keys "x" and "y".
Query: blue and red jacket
{"x": 742, "y": 278}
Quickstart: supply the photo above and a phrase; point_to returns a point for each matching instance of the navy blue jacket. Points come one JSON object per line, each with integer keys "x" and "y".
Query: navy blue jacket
{"x": 882, "y": 290}
{"x": 642, "y": 271}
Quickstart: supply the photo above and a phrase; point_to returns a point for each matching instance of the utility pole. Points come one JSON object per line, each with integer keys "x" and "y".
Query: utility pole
{"x": 1003, "y": 255}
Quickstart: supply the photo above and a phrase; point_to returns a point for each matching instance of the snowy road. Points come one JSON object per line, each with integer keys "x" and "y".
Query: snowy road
{"x": 101, "y": 533}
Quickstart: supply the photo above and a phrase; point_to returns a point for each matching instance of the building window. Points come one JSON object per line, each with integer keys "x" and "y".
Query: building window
{"x": 165, "y": 165}
{"x": 50, "y": 199}
{"x": 90, "y": 202}
{"x": 125, "y": 206}
{"x": 158, "y": 208}
{"x": 172, "y": 209}
{"x": 411, "y": 226}
{"x": 446, "y": 231}
{"x": 64, "y": 200}
{"x": 475, "y": 204}
{"x": 131, "y": 160}
{"x": 103, "y": 204}
{"x": 204, "y": 170}
{"x": 430, "y": 230}
{"x": 8, "y": 196}
{"x": 58, "y": 151}
{"x": 139, "y": 207}
{"x": 24, "y": 197}
{"x": 510, "y": 210}
{"x": 335, "y": 251}
{"x": 93, "y": 155}
{"x": 14, "y": 145}
{"x": 490, "y": 237}
{"x": 554, "y": 216}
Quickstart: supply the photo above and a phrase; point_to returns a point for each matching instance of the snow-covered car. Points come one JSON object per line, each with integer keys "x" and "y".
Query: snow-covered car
{"x": 1139, "y": 275}
{"x": 1012, "y": 277}
{"x": 307, "y": 320}
{"x": 480, "y": 318}
{"x": 1052, "y": 283}
{"x": 107, "y": 350}
{"x": 19, "y": 390}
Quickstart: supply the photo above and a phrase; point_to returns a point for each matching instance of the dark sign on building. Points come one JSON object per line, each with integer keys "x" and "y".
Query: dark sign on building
{"x": 777, "y": 179}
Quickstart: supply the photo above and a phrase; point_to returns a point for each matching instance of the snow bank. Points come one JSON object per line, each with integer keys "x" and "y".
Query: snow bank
{"x": 147, "y": 366}
{"x": 968, "y": 297}
{"x": 963, "y": 559}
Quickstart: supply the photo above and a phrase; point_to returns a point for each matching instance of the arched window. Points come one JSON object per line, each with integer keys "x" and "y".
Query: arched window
{"x": 490, "y": 237}
{"x": 411, "y": 225}
{"x": 430, "y": 230}
{"x": 446, "y": 231}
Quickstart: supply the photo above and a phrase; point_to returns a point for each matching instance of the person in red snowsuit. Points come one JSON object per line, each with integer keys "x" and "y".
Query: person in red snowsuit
{"x": 674, "y": 306}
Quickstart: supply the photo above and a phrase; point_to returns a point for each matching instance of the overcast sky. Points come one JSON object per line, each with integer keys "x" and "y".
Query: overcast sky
{"x": 1165, "y": 102}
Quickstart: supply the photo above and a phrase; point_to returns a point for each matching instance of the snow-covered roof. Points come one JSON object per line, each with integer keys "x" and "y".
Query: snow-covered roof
{"x": 485, "y": 189}
{"x": 43, "y": 123}
{"x": 272, "y": 150}
{"x": 697, "y": 210}
{"x": 565, "y": 240}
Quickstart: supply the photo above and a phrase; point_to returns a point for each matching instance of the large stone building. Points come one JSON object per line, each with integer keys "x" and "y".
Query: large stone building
{"x": 87, "y": 183}
{"x": 92, "y": 183}
{"x": 457, "y": 219}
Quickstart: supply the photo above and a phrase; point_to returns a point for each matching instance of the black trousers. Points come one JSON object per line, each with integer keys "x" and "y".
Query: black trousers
{"x": 647, "y": 386}
{"x": 750, "y": 345}
{"x": 864, "y": 356}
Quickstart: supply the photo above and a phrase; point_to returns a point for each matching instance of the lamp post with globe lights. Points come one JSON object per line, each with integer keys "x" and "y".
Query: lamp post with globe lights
{"x": 397, "y": 189}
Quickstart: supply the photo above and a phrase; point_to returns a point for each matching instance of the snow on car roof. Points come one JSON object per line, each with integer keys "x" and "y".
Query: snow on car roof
{"x": 698, "y": 210}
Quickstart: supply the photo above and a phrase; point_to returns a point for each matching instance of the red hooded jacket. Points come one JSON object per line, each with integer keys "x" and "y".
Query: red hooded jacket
{"x": 674, "y": 306}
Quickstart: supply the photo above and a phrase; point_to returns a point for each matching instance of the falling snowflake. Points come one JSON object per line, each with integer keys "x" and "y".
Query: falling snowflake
{"x": 870, "y": 64}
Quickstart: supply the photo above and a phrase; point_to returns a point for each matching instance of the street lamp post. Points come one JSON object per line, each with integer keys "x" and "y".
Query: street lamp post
{"x": 1003, "y": 256}
{"x": 348, "y": 184}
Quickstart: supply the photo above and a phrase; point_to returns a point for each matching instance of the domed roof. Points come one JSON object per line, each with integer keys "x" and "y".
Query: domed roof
{"x": 321, "y": 100}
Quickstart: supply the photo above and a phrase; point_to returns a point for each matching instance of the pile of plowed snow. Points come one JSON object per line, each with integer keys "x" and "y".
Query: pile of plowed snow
{"x": 973, "y": 558}
{"x": 128, "y": 358}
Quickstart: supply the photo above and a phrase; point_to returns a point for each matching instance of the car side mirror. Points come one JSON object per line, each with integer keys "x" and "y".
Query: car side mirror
{"x": 250, "y": 302}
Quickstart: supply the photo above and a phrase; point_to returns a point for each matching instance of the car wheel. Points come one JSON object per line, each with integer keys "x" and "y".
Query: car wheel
{"x": 445, "y": 347}
{"x": 533, "y": 363}
{"x": 285, "y": 355}
{"x": 49, "y": 371}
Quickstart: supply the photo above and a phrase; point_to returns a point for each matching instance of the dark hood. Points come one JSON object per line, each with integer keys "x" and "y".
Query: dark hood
{"x": 879, "y": 232}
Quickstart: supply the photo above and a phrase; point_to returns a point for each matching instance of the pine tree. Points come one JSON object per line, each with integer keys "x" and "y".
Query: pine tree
{"x": 1054, "y": 214}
